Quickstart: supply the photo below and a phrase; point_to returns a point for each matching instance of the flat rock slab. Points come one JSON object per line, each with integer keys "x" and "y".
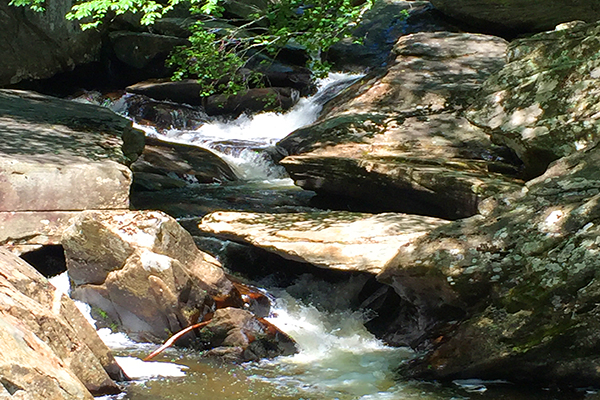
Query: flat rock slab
{"x": 61, "y": 155}
{"x": 328, "y": 239}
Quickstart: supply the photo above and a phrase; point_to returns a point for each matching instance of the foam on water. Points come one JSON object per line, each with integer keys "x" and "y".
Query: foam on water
{"x": 236, "y": 141}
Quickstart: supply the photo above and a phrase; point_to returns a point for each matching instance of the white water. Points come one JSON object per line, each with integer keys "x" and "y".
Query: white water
{"x": 236, "y": 141}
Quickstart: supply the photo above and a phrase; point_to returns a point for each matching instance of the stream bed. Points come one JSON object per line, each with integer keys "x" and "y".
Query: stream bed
{"x": 338, "y": 358}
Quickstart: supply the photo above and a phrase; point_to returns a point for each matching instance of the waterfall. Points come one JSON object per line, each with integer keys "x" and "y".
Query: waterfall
{"x": 237, "y": 141}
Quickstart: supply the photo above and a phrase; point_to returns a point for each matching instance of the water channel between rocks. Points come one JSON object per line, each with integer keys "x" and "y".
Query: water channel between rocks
{"x": 338, "y": 358}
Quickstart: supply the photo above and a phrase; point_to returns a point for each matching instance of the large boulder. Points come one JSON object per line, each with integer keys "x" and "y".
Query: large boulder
{"x": 144, "y": 271}
{"x": 518, "y": 16}
{"x": 166, "y": 165}
{"x": 328, "y": 239}
{"x": 39, "y": 45}
{"x": 512, "y": 294}
{"x": 58, "y": 352}
{"x": 545, "y": 102}
{"x": 397, "y": 142}
{"x": 59, "y": 156}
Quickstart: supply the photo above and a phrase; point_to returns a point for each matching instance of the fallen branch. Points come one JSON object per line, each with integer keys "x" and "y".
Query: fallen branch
{"x": 173, "y": 338}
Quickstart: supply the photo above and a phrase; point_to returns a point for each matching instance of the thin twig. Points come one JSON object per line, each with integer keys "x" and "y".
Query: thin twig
{"x": 173, "y": 338}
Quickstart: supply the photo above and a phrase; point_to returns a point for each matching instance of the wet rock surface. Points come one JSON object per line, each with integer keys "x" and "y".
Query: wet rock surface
{"x": 397, "y": 142}
{"x": 165, "y": 165}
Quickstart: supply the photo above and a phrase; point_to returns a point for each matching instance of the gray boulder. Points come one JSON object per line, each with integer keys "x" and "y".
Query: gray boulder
{"x": 58, "y": 157}
{"x": 545, "y": 103}
{"x": 513, "y": 293}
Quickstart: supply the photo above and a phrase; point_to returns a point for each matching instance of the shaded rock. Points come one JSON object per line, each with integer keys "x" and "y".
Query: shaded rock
{"x": 144, "y": 271}
{"x": 512, "y": 294}
{"x": 177, "y": 164}
{"x": 380, "y": 28}
{"x": 237, "y": 335}
{"x": 518, "y": 16}
{"x": 66, "y": 347}
{"x": 252, "y": 101}
{"x": 189, "y": 92}
{"x": 145, "y": 52}
{"x": 397, "y": 142}
{"x": 38, "y": 45}
{"x": 163, "y": 115}
{"x": 545, "y": 102}
{"x": 338, "y": 240}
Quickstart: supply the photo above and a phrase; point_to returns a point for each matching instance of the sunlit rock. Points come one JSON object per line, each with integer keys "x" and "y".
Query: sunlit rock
{"x": 337, "y": 240}
{"x": 397, "y": 142}
{"x": 512, "y": 294}
{"x": 143, "y": 270}
{"x": 545, "y": 102}
{"x": 47, "y": 345}
{"x": 58, "y": 157}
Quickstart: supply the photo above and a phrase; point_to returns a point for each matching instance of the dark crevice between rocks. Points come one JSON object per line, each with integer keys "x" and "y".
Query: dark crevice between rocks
{"x": 48, "y": 260}
{"x": 388, "y": 317}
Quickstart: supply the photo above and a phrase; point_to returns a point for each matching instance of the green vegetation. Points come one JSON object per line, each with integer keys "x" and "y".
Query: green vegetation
{"x": 218, "y": 56}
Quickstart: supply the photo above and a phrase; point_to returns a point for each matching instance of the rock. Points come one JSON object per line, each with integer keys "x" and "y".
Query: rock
{"x": 145, "y": 53}
{"x": 52, "y": 151}
{"x": 144, "y": 271}
{"x": 180, "y": 163}
{"x": 39, "y": 45}
{"x": 189, "y": 92}
{"x": 518, "y": 16}
{"x": 380, "y": 28}
{"x": 245, "y": 9}
{"x": 163, "y": 115}
{"x": 237, "y": 335}
{"x": 544, "y": 103}
{"x": 338, "y": 240}
{"x": 513, "y": 293}
{"x": 66, "y": 348}
{"x": 254, "y": 100}
{"x": 29, "y": 368}
{"x": 397, "y": 142}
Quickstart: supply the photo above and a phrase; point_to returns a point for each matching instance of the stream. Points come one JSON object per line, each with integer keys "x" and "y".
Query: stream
{"x": 338, "y": 358}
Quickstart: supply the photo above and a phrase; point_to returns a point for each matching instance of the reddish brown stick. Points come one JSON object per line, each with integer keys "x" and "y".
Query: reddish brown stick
{"x": 173, "y": 338}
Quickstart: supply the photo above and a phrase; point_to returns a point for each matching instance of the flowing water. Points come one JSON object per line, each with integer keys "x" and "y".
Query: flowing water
{"x": 338, "y": 358}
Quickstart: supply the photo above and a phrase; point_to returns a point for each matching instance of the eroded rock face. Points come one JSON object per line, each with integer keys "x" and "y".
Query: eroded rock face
{"x": 48, "y": 346}
{"x": 521, "y": 282}
{"x": 338, "y": 240}
{"x": 144, "y": 270}
{"x": 397, "y": 142}
{"x": 545, "y": 103}
{"x": 518, "y": 16}
{"x": 38, "y": 45}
